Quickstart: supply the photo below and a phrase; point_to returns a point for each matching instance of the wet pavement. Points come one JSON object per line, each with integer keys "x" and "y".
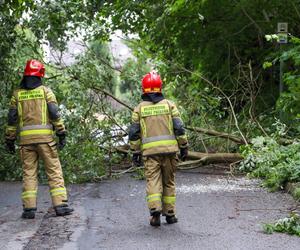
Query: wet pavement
{"x": 214, "y": 211}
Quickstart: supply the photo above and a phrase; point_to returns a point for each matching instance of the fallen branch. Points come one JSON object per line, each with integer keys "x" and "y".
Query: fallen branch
{"x": 198, "y": 159}
{"x": 217, "y": 133}
{"x": 215, "y": 157}
{"x": 208, "y": 158}
{"x": 112, "y": 96}
{"x": 123, "y": 149}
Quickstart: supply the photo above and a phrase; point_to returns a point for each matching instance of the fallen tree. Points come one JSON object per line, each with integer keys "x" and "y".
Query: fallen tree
{"x": 215, "y": 157}
{"x": 197, "y": 159}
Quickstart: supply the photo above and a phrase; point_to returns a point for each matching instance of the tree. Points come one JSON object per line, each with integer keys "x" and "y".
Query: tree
{"x": 220, "y": 40}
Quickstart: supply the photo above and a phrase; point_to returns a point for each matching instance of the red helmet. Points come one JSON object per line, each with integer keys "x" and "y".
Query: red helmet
{"x": 34, "y": 68}
{"x": 151, "y": 83}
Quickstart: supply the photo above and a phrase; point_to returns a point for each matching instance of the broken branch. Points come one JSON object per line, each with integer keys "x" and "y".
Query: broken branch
{"x": 217, "y": 133}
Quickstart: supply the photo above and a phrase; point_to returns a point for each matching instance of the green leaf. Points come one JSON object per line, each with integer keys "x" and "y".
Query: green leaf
{"x": 267, "y": 65}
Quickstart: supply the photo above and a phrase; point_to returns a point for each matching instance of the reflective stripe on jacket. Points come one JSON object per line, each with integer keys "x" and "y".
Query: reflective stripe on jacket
{"x": 33, "y": 120}
{"x": 152, "y": 130}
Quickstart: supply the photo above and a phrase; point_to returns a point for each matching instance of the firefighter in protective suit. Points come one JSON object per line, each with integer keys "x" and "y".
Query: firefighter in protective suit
{"x": 157, "y": 133}
{"x": 33, "y": 115}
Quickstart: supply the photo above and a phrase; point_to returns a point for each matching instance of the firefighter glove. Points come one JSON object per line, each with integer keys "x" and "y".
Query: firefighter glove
{"x": 61, "y": 141}
{"x": 183, "y": 153}
{"x": 10, "y": 146}
{"x": 137, "y": 159}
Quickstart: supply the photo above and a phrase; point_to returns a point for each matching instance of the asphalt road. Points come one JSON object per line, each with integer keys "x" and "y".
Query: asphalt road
{"x": 214, "y": 211}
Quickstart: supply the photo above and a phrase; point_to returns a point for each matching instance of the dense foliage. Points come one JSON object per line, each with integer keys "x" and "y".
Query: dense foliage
{"x": 289, "y": 100}
{"x": 222, "y": 41}
{"x": 213, "y": 57}
{"x": 79, "y": 106}
{"x": 275, "y": 163}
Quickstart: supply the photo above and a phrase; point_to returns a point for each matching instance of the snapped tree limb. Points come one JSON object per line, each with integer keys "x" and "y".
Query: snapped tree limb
{"x": 201, "y": 159}
{"x": 96, "y": 89}
{"x": 215, "y": 157}
{"x": 217, "y": 134}
{"x": 197, "y": 159}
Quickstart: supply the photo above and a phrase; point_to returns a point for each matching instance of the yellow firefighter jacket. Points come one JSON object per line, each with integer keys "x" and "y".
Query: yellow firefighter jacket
{"x": 156, "y": 128}
{"x": 33, "y": 114}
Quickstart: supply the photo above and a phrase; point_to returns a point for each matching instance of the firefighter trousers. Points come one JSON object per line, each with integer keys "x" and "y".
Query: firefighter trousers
{"x": 160, "y": 178}
{"x": 30, "y": 155}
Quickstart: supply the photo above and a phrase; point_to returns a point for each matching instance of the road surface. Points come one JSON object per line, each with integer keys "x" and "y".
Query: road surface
{"x": 214, "y": 211}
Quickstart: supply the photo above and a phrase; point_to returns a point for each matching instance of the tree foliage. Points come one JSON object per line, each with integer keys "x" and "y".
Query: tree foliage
{"x": 212, "y": 55}
{"x": 220, "y": 40}
{"x": 267, "y": 159}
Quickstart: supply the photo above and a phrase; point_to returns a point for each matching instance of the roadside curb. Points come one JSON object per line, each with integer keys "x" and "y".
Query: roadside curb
{"x": 293, "y": 188}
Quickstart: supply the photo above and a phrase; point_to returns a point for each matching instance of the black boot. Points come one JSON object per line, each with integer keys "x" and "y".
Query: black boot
{"x": 62, "y": 210}
{"x": 28, "y": 213}
{"x": 171, "y": 219}
{"x": 155, "y": 219}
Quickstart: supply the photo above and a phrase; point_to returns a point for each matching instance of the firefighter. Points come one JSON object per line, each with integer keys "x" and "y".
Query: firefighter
{"x": 156, "y": 135}
{"x": 33, "y": 115}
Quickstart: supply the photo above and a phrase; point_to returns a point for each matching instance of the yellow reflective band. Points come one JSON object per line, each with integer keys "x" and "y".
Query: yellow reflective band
{"x": 58, "y": 191}
{"x": 153, "y": 197}
{"x": 20, "y": 113}
{"x": 170, "y": 125}
{"x": 60, "y": 123}
{"x": 159, "y": 143}
{"x": 44, "y": 110}
{"x": 135, "y": 117}
{"x": 169, "y": 199}
{"x": 158, "y": 138}
{"x": 175, "y": 112}
{"x": 37, "y": 132}
{"x": 181, "y": 137}
{"x": 50, "y": 95}
{"x": 158, "y": 109}
{"x": 29, "y": 194}
{"x": 143, "y": 128}
{"x": 32, "y": 127}
{"x": 31, "y": 94}
{"x": 13, "y": 101}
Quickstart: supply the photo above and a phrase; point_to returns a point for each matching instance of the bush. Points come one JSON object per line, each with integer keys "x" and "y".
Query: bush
{"x": 290, "y": 225}
{"x": 275, "y": 163}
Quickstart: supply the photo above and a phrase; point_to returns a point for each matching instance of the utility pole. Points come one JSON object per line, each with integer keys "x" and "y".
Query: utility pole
{"x": 282, "y": 31}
